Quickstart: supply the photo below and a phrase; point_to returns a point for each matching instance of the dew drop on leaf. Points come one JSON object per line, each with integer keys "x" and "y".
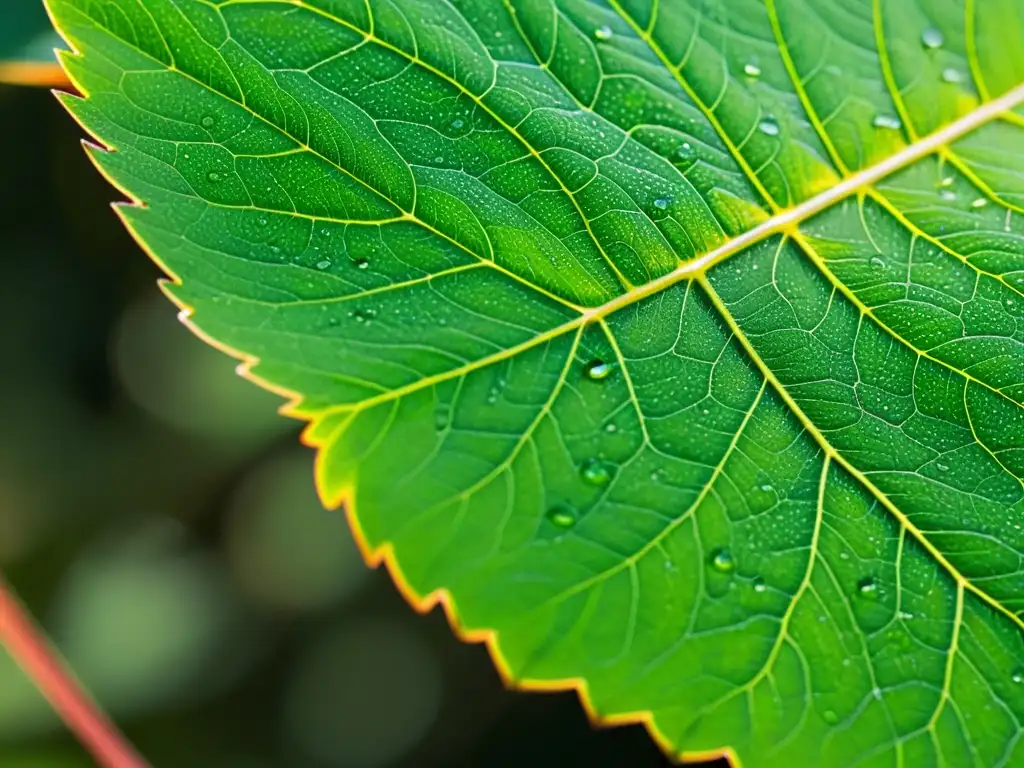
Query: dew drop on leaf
{"x": 597, "y": 370}
{"x": 457, "y": 123}
{"x": 662, "y": 203}
{"x": 947, "y": 194}
{"x": 769, "y": 126}
{"x": 1017, "y": 676}
{"x": 887, "y": 121}
{"x": 596, "y": 472}
{"x": 723, "y": 561}
{"x": 603, "y": 33}
{"x": 561, "y": 517}
{"x": 877, "y": 261}
{"x": 830, "y": 717}
{"x": 361, "y": 263}
{"x": 750, "y": 69}
{"x": 952, "y": 75}
{"x": 213, "y": 176}
{"x": 207, "y": 122}
{"x": 868, "y": 588}
{"x": 932, "y": 38}
{"x": 981, "y": 202}
{"x": 759, "y": 585}
{"x": 324, "y": 264}
{"x": 685, "y": 151}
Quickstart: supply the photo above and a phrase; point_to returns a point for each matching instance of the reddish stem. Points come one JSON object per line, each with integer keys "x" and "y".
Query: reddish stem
{"x": 30, "y": 648}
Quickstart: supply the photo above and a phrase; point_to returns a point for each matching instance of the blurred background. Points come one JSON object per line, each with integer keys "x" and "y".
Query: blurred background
{"x": 158, "y": 518}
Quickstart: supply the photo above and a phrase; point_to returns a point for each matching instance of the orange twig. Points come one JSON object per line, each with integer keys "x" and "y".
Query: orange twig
{"x": 30, "y": 648}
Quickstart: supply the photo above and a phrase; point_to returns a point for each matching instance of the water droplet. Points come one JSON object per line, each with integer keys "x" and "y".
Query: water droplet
{"x": 767, "y": 488}
{"x": 1017, "y": 676}
{"x": 945, "y": 182}
{"x": 662, "y": 203}
{"x": 562, "y": 517}
{"x": 322, "y": 265}
{"x": 952, "y": 75}
{"x": 868, "y": 588}
{"x": 942, "y": 467}
{"x": 750, "y": 69}
{"x": 830, "y": 717}
{"x": 207, "y": 122}
{"x": 686, "y": 151}
{"x": 442, "y": 418}
{"x": 457, "y": 123}
{"x": 947, "y": 194}
{"x": 932, "y": 38}
{"x": 769, "y": 126}
{"x": 603, "y": 33}
{"x": 981, "y": 202}
{"x": 596, "y": 472}
{"x": 597, "y": 370}
{"x": 363, "y": 315}
{"x": 723, "y": 561}
{"x": 262, "y": 221}
{"x": 610, "y": 428}
{"x": 361, "y": 263}
{"x": 877, "y": 261}
{"x": 213, "y": 176}
{"x": 759, "y": 585}
{"x": 889, "y": 122}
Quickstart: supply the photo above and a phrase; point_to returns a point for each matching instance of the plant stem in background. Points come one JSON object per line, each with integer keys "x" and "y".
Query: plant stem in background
{"x": 31, "y": 649}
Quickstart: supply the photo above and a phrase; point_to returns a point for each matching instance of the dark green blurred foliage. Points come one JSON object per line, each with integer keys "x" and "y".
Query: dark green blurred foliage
{"x": 158, "y": 517}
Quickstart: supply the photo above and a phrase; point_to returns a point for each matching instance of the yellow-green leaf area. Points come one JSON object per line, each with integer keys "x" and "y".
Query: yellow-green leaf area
{"x": 676, "y": 345}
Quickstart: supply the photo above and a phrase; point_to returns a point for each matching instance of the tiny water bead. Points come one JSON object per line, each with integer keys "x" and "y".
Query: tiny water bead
{"x": 947, "y": 194}
{"x": 830, "y": 717}
{"x": 889, "y": 122}
{"x": 867, "y": 587}
{"x": 769, "y": 126}
{"x": 361, "y": 263}
{"x": 952, "y": 75}
{"x": 1018, "y": 676}
{"x": 597, "y": 370}
{"x": 561, "y": 517}
{"x": 759, "y": 585}
{"x": 213, "y": 176}
{"x": 750, "y": 69}
{"x": 662, "y": 203}
{"x": 323, "y": 264}
{"x": 457, "y": 123}
{"x": 981, "y": 202}
{"x": 723, "y": 561}
{"x": 932, "y": 38}
{"x": 596, "y": 472}
{"x": 604, "y": 33}
{"x": 208, "y": 121}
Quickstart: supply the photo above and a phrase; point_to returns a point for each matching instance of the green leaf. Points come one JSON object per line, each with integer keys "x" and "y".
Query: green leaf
{"x": 27, "y": 41}
{"x": 676, "y": 347}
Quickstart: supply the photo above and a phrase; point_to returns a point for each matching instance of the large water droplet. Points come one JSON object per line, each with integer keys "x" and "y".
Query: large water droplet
{"x": 890, "y": 122}
{"x": 662, "y": 203}
{"x": 769, "y": 126}
{"x": 561, "y": 517}
{"x": 750, "y": 69}
{"x": 1017, "y": 676}
{"x": 324, "y": 264}
{"x": 723, "y": 561}
{"x": 759, "y": 585}
{"x": 685, "y": 151}
{"x": 952, "y": 75}
{"x": 932, "y": 38}
{"x": 361, "y": 263}
{"x": 596, "y": 472}
{"x": 830, "y": 717}
{"x": 603, "y": 33}
{"x": 597, "y": 370}
{"x": 868, "y": 588}
{"x": 457, "y": 123}
{"x": 207, "y": 122}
